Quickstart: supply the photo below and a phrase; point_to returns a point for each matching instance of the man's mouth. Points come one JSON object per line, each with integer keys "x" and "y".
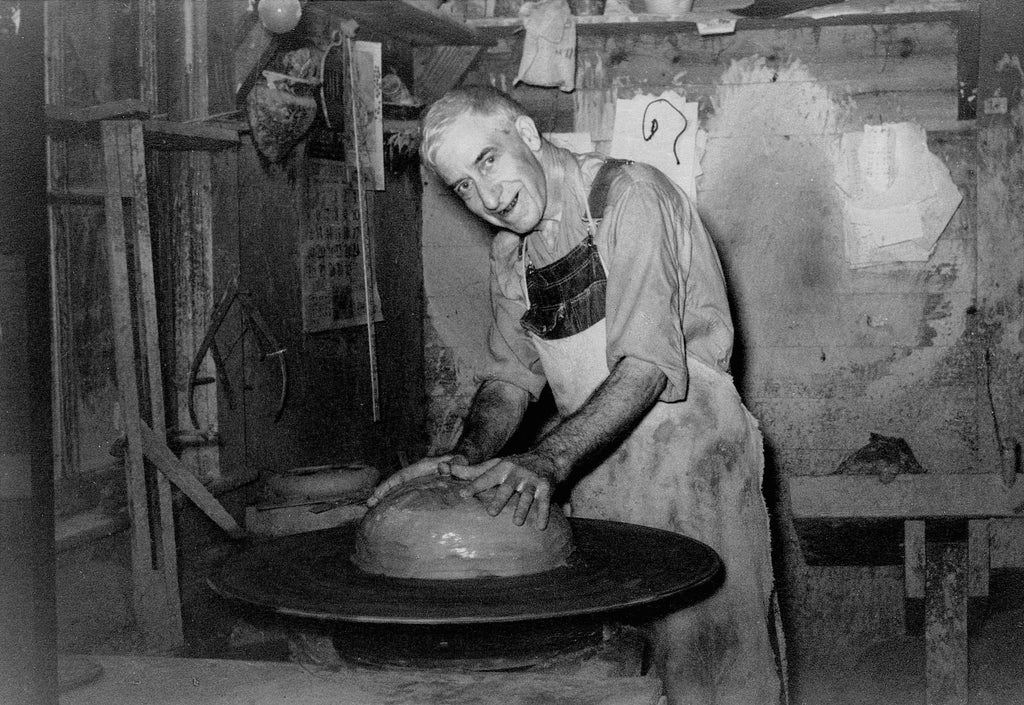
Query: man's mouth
{"x": 508, "y": 209}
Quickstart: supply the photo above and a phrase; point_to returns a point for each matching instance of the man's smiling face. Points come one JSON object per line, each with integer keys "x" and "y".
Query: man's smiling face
{"x": 495, "y": 171}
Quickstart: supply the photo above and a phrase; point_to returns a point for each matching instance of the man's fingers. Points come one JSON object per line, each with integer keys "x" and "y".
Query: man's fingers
{"x": 500, "y": 499}
{"x": 427, "y": 466}
{"x": 474, "y": 472}
{"x": 542, "y": 503}
{"x": 446, "y": 467}
{"x": 526, "y": 499}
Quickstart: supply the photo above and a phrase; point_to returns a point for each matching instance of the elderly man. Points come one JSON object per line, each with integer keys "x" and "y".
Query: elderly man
{"x": 605, "y": 286}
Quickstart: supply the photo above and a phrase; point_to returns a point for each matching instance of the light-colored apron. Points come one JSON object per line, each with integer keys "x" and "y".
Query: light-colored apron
{"x": 694, "y": 467}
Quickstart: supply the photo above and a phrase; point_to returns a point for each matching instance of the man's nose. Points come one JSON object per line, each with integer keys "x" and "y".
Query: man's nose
{"x": 490, "y": 194}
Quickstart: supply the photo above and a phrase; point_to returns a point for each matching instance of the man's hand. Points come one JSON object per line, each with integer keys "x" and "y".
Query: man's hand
{"x": 530, "y": 475}
{"x": 437, "y": 465}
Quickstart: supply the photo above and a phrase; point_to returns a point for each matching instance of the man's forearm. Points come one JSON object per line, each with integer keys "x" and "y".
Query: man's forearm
{"x": 611, "y": 412}
{"x": 493, "y": 417}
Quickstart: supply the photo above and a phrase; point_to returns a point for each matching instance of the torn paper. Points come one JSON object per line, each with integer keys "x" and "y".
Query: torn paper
{"x": 661, "y": 131}
{"x": 898, "y": 196}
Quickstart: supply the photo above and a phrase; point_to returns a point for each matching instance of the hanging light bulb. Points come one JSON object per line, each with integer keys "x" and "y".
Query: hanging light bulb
{"x": 280, "y": 16}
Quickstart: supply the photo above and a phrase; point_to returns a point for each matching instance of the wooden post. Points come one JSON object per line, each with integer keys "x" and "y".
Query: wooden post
{"x": 186, "y": 220}
{"x": 946, "y": 657}
{"x": 978, "y": 556}
{"x": 914, "y": 575}
{"x": 156, "y": 599}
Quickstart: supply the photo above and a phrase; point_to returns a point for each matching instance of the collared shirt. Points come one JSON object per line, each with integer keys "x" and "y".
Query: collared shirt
{"x": 666, "y": 293}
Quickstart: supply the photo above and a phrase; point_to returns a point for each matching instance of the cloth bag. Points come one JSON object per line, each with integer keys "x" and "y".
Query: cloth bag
{"x": 549, "y": 50}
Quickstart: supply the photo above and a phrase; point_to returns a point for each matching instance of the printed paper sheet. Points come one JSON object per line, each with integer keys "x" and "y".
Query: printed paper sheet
{"x": 333, "y": 295}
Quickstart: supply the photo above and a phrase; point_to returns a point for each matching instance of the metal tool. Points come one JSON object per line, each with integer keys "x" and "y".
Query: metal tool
{"x": 252, "y": 321}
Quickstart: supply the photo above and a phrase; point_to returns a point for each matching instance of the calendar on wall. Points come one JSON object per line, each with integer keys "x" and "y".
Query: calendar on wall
{"x": 333, "y": 291}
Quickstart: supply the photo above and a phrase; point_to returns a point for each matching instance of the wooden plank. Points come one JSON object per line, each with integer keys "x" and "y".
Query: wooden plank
{"x": 967, "y": 66}
{"x": 380, "y": 19}
{"x": 252, "y": 54}
{"x": 914, "y": 575}
{"x": 906, "y": 497}
{"x": 946, "y": 656}
{"x": 62, "y": 120}
{"x": 979, "y": 563}
{"x": 184, "y": 136}
{"x": 864, "y": 12}
{"x": 192, "y": 268}
{"x": 147, "y": 33}
{"x": 437, "y": 69}
{"x": 157, "y": 451}
{"x": 170, "y": 681}
{"x": 154, "y": 561}
{"x": 78, "y": 195}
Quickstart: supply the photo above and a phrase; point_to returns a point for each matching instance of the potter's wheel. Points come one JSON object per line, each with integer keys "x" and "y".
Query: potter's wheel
{"x": 616, "y": 566}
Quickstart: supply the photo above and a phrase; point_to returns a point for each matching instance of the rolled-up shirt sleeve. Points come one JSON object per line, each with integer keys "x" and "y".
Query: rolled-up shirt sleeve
{"x": 647, "y": 254}
{"x": 513, "y": 356}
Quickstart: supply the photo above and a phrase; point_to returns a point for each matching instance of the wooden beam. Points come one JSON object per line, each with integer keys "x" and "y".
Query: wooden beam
{"x": 155, "y": 448}
{"x": 379, "y": 19}
{"x": 156, "y": 601}
{"x": 438, "y": 69}
{"x": 185, "y": 136}
{"x": 866, "y": 12}
{"x": 967, "y": 66}
{"x": 65, "y": 121}
{"x": 914, "y": 576}
{"x": 147, "y": 63}
{"x": 946, "y": 656}
{"x": 979, "y": 563}
{"x": 906, "y": 497}
{"x": 253, "y": 51}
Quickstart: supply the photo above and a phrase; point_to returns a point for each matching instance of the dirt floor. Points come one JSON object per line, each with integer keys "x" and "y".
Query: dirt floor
{"x": 893, "y": 671}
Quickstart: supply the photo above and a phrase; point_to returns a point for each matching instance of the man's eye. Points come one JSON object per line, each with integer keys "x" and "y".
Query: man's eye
{"x": 462, "y": 188}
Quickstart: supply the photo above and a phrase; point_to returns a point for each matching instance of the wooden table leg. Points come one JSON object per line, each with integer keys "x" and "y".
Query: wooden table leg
{"x": 946, "y": 623}
{"x": 913, "y": 576}
{"x": 977, "y": 573}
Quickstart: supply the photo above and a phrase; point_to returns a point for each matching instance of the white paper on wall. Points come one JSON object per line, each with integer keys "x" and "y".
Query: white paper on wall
{"x": 661, "y": 131}
{"x": 899, "y": 196}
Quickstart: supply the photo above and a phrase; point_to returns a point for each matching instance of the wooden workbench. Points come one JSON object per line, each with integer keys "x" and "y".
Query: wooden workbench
{"x": 178, "y": 681}
{"x": 937, "y": 525}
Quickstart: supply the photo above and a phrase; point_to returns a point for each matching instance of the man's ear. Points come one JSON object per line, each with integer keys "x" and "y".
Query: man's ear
{"x": 528, "y": 132}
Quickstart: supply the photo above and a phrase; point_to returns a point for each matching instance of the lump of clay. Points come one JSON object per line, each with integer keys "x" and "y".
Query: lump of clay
{"x": 425, "y": 529}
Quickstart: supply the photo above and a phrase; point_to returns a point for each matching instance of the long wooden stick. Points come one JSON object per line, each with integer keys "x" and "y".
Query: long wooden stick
{"x": 371, "y": 338}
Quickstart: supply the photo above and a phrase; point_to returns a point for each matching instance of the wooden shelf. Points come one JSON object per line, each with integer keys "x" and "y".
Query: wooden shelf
{"x": 175, "y": 136}
{"x": 65, "y": 121}
{"x": 393, "y": 18}
{"x": 853, "y": 12}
